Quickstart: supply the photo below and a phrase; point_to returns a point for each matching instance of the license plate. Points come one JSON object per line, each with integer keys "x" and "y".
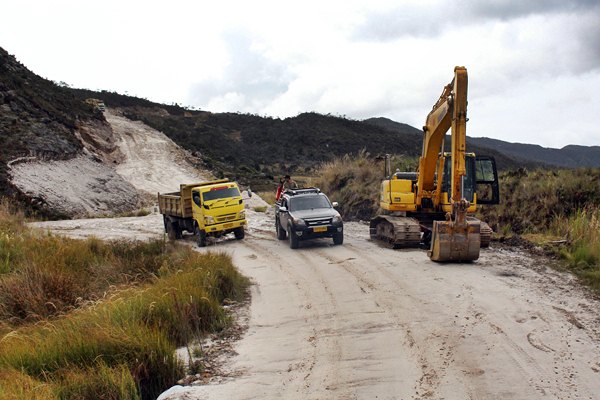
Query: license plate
{"x": 320, "y": 229}
{"x": 229, "y": 225}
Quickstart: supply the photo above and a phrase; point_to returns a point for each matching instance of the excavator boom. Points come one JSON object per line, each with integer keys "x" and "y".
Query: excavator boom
{"x": 456, "y": 238}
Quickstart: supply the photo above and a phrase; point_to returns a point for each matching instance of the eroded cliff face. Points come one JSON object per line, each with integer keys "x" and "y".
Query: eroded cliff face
{"x": 54, "y": 146}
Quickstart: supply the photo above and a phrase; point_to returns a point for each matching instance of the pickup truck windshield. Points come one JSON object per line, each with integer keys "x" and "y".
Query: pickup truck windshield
{"x": 220, "y": 193}
{"x": 308, "y": 203}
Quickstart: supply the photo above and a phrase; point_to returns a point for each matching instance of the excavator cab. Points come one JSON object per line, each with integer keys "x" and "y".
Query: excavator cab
{"x": 480, "y": 184}
{"x": 486, "y": 180}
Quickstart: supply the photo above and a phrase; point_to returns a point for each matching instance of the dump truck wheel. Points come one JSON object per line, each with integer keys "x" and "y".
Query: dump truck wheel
{"x": 177, "y": 229}
{"x": 171, "y": 233}
{"x": 200, "y": 236}
{"x": 239, "y": 233}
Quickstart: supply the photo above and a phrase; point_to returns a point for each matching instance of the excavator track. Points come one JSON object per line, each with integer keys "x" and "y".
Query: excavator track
{"x": 485, "y": 232}
{"x": 397, "y": 232}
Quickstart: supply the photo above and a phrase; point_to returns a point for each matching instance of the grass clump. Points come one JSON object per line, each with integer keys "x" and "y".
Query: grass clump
{"x": 269, "y": 197}
{"x": 85, "y": 319}
{"x": 15, "y": 384}
{"x": 531, "y": 201}
{"x": 260, "y": 209}
{"x": 354, "y": 182}
{"x": 582, "y": 252}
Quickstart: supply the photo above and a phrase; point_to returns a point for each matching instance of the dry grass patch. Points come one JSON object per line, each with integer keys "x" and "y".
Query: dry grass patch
{"x": 86, "y": 319}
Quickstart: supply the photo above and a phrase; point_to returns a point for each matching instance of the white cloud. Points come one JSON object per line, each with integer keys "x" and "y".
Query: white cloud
{"x": 534, "y": 68}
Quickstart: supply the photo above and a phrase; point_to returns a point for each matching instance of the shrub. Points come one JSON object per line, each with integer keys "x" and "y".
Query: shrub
{"x": 354, "y": 182}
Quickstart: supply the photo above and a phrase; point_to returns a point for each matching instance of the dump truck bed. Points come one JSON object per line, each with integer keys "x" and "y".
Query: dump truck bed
{"x": 172, "y": 204}
{"x": 179, "y": 204}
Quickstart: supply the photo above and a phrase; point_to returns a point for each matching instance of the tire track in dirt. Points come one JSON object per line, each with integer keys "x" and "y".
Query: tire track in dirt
{"x": 301, "y": 370}
{"x": 428, "y": 383}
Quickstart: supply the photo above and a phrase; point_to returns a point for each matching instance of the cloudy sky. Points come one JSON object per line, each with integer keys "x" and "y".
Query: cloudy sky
{"x": 534, "y": 65}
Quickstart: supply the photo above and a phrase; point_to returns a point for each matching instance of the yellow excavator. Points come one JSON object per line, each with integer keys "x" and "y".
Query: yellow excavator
{"x": 434, "y": 206}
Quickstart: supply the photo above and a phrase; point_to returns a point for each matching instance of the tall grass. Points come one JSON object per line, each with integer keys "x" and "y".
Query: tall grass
{"x": 354, "y": 182}
{"x": 582, "y": 253}
{"x": 531, "y": 200}
{"x": 95, "y": 320}
{"x": 268, "y": 197}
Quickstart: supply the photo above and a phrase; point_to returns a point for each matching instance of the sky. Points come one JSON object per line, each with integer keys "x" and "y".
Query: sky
{"x": 534, "y": 66}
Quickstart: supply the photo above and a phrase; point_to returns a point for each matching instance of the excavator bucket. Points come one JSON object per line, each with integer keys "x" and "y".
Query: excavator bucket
{"x": 452, "y": 241}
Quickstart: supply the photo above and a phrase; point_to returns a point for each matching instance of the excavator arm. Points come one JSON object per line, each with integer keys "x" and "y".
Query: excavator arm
{"x": 456, "y": 239}
{"x": 449, "y": 112}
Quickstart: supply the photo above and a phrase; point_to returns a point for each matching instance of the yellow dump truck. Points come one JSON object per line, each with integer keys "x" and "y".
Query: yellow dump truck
{"x": 205, "y": 209}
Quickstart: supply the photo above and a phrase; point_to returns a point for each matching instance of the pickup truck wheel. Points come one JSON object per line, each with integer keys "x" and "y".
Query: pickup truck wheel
{"x": 239, "y": 233}
{"x": 200, "y": 236}
{"x": 338, "y": 238}
{"x": 281, "y": 233}
{"x": 294, "y": 241}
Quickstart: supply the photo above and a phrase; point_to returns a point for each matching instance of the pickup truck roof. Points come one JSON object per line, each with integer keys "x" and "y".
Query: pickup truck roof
{"x": 295, "y": 192}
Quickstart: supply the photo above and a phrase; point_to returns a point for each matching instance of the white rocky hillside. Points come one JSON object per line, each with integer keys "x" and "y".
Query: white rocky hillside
{"x": 122, "y": 169}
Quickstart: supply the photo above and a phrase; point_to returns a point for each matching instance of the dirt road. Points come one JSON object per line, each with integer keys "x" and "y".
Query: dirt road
{"x": 360, "y": 321}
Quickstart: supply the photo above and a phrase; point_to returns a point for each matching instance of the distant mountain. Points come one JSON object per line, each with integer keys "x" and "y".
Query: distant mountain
{"x": 508, "y": 154}
{"x": 503, "y": 160}
{"x": 391, "y": 125}
{"x": 571, "y": 156}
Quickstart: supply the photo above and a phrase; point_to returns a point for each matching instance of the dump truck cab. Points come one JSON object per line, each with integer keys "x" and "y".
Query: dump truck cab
{"x": 218, "y": 208}
{"x": 213, "y": 208}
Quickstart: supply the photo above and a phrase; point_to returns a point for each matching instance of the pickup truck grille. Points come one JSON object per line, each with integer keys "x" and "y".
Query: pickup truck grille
{"x": 318, "y": 221}
{"x": 226, "y": 217}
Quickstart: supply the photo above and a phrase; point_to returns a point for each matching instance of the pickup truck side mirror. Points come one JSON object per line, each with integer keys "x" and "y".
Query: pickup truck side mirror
{"x": 335, "y": 204}
{"x": 283, "y": 209}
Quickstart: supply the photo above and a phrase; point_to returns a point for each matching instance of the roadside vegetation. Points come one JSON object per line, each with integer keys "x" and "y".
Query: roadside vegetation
{"x": 557, "y": 209}
{"x": 87, "y": 319}
{"x": 354, "y": 182}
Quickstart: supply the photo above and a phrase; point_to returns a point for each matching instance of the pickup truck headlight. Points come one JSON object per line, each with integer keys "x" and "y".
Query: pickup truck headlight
{"x": 337, "y": 220}
{"x": 300, "y": 223}
{"x": 209, "y": 220}
{"x": 242, "y": 215}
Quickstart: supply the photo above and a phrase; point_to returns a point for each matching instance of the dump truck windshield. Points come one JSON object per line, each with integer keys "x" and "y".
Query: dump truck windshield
{"x": 220, "y": 193}
{"x": 308, "y": 203}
